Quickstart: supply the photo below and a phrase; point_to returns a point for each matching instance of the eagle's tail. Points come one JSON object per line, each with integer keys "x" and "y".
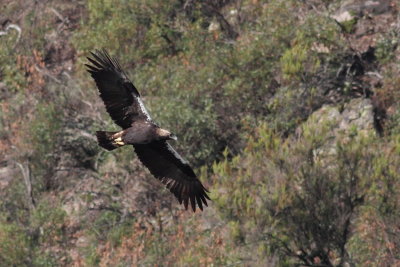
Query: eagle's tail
{"x": 109, "y": 140}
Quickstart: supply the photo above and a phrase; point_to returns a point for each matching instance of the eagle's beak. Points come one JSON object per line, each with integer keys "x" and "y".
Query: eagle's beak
{"x": 173, "y": 137}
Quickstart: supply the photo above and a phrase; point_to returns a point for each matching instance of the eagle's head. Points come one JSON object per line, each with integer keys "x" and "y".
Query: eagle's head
{"x": 165, "y": 134}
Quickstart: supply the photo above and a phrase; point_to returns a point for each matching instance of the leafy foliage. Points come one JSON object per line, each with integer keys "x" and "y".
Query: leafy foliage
{"x": 300, "y": 202}
{"x": 14, "y": 245}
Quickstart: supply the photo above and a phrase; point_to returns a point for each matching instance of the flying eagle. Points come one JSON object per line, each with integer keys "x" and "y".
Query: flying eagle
{"x": 123, "y": 103}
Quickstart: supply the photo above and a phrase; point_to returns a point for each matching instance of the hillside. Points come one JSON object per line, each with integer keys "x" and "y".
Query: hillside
{"x": 289, "y": 112}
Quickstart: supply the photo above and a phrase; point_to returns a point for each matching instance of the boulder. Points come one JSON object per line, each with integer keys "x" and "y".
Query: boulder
{"x": 356, "y": 8}
{"x": 335, "y": 123}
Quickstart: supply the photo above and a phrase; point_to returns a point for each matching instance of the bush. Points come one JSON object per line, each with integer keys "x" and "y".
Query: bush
{"x": 14, "y": 245}
{"x": 298, "y": 201}
{"x": 41, "y": 136}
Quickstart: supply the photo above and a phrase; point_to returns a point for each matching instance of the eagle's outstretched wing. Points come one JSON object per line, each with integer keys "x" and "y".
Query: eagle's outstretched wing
{"x": 121, "y": 98}
{"x": 173, "y": 171}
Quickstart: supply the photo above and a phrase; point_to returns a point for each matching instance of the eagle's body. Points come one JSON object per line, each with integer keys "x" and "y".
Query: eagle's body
{"x": 144, "y": 132}
{"x": 123, "y": 103}
{"x": 140, "y": 133}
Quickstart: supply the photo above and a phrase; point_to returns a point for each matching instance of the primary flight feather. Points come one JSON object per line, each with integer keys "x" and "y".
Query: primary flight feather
{"x": 123, "y": 103}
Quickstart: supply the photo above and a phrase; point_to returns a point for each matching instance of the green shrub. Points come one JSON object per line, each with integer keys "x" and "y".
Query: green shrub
{"x": 296, "y": 200}
{"x": 377, "y": 240}
{"x": 14, "y": 245}
{"x": 386, "y": 46}
{"x": 48, "y": 220}
{"x": 10, "y": 72}
{"x": 41, "y": 136}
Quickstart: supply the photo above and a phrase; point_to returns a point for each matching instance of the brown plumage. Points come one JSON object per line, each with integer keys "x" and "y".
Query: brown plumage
{"x": 123, "y": 103}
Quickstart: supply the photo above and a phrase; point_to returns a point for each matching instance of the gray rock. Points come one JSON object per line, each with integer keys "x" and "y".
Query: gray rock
{"x": 360, "y": 8}
{"x": 7, "y": 173}
{"x": 334, "y": 123}
{"x": 355, "y": 115}
{"x": 359, "y": 114}
{"x": 343, "y": 16}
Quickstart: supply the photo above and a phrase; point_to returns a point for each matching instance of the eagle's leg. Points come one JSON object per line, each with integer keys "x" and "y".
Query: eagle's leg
{"x": 118, "y": 141}
{"x": 110, "y": 140}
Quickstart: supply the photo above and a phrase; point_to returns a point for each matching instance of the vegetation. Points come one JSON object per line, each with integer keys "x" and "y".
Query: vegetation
{"x": 289, "y": 114}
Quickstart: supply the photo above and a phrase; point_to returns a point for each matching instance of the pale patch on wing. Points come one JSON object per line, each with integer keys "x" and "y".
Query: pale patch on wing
{"x": 144, "y": 110}
{"x": 176, "y": 154}
{"x": 121, "y": 98}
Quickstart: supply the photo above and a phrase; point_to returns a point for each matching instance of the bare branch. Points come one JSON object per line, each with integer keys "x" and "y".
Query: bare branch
{"x": 26, "y": 174}
{"x": 15, "y": 27}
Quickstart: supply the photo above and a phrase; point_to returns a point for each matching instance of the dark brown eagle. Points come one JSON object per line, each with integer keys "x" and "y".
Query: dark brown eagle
{"x": 123, "y": 103}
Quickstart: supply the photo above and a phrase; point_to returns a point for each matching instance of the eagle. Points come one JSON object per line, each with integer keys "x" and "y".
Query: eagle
{"x": 150, "y": 142}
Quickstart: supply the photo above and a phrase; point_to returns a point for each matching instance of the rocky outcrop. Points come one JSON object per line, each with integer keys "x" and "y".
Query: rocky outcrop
{"x": 334, "y": 123}
{"x": 355, "y": 9}
{"x": 357, "y": 115}
{"x": 367, "y": 20}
